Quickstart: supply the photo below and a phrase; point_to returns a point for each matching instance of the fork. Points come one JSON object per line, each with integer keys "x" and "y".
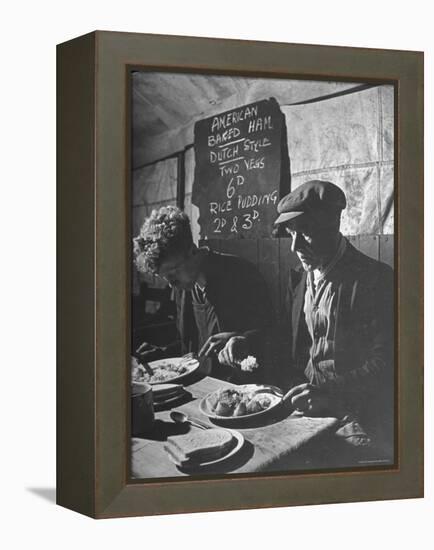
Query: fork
{"x": 147, "y": 368}
{"x": 143, "y": 364}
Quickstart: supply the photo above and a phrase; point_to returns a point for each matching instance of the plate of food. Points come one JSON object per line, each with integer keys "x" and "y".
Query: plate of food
{"x": 203, "y": 448}
{"x": 166, "y": 395}
{"x": 241, "y": 402}
{"x": 172, "y": 369}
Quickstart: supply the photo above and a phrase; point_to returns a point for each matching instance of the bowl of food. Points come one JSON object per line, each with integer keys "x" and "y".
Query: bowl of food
{"x": 241, "y": 402}
{"x": 173, "y": 369}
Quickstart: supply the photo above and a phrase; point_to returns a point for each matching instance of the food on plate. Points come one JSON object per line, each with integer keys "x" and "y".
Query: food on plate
{"x": 259, "y": 403}
{"x": 239, "y": 401}
{"x": 224, "y": 401}
{"x": 165, "y": 371}
{"x": 198, "y": 446}
{"x": 137, "y": 371}
{"x": 241, "y": 408}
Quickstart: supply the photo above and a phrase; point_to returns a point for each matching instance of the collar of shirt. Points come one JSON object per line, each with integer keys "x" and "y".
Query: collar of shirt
{"x": 320, "y": 273}
{"x": 198, "y": 293}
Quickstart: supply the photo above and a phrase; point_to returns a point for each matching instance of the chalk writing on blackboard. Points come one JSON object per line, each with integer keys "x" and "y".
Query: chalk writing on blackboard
{"x": 242, "y": 170}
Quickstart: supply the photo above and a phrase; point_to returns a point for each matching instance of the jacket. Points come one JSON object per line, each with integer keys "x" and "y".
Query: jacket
{"x": 364, "y": 334}
{"x": 240, "y": 299}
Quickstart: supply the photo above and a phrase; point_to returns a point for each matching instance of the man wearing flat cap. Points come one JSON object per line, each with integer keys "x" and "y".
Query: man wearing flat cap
{"x": 340, "y": 308}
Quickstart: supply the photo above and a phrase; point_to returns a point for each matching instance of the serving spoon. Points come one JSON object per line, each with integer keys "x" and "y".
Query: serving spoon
{"x": 181, "y": 418}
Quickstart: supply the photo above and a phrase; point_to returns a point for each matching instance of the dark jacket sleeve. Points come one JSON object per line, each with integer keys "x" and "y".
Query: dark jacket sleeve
{"x": 252, "y": 309}
{"x": 257, "y": 311}
{"x": 187, "y": 340}
{"x": 243, "y": 306}
{"x": 290, "y": 338}
{"x": 365, "y": 363}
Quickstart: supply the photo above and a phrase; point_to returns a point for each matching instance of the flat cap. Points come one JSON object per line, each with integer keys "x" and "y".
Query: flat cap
{"x": 315, "y": 198}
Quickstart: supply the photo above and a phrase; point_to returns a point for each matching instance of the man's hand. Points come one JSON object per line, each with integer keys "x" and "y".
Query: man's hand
{"x": 314, "y": 401}
{"x": 215, "y": 343}
{"x": 148, "y": 352}
{"x": 235, "y": 350}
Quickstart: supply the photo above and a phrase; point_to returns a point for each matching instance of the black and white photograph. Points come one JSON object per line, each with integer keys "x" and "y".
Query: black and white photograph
{"x": 262, "y": 275}
{"x": 217, "y": 236}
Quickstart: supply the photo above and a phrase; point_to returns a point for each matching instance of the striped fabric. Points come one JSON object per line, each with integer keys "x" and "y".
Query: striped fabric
{"x": 320, "y": 304}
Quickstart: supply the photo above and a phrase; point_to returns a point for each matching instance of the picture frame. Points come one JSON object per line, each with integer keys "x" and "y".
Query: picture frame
{"x": 94, "y": 268}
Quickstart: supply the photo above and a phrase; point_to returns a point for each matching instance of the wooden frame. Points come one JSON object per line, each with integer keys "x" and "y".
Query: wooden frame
{"x": 93, "y": 273}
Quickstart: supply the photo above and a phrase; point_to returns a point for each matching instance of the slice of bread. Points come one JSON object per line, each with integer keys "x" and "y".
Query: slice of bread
{"x": 177, "y": 457}
{"x": 200, "y": 445}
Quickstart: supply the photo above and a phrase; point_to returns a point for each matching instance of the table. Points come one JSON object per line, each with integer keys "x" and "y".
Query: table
{"x": 275, "y": 444}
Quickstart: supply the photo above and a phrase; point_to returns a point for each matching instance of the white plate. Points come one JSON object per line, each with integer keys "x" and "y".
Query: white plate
{"x": 171, "y": 400}
{"x": 192, "y": 366}
{"x": 239, "y": 442}
{"x": 160, "y": 391}
{"x": 274, "y": 392}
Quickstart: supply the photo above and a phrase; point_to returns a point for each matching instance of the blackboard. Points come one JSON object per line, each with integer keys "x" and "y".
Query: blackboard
{"x": 242, "y": 170}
